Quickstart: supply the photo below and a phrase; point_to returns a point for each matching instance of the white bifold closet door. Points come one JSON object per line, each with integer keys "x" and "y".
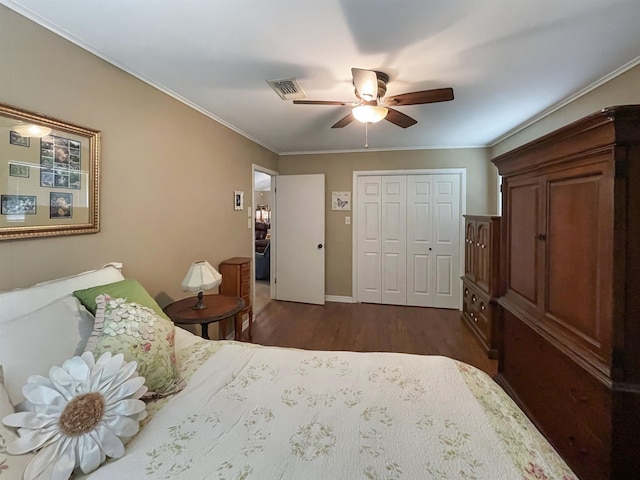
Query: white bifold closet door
{"x": 408, "y": 240}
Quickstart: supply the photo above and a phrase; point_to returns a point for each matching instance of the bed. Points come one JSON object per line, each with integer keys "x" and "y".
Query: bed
{"x": 238, "y": 411}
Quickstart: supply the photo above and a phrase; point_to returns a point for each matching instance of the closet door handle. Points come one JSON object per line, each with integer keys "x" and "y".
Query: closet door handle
{"x": 319, "y": 245}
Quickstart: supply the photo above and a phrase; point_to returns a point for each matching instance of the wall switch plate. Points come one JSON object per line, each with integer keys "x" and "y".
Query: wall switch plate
{"x": 248, "y": 223}
{"x": 249, "y": 211}
{"x": 347, "y": 220}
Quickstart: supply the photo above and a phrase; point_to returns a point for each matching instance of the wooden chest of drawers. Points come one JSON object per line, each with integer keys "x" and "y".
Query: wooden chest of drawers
{"x": 481, "y": 279}
{"x": 236, "y": 280}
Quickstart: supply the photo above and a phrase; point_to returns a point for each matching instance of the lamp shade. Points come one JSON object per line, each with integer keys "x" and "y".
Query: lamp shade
{"x": 369, "y": 113}
{"x": 201, "y": 276}
{"x": 31, "y": 130}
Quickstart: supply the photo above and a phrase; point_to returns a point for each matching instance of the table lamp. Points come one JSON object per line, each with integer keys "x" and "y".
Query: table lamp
{"x": 201, "y": 276}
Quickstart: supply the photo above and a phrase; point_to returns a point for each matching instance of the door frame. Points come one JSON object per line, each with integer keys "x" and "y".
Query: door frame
{"x": 252, "y": 220}
{"x": 462, "y": 172}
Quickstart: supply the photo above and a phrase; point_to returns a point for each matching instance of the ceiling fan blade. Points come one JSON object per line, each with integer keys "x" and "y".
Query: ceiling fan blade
{"x": 399, "y": 118}
{"x": 418, "y": 98}
{"x": 366, "y": 83}
{"x": 343, "y": 122}
{"x": 321, "y": 102}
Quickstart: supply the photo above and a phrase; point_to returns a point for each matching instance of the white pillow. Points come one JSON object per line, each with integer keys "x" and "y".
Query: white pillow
{"x": 11, "y": 466}
{"x": 33, "y": 343}
{"x": 24, "y": 300}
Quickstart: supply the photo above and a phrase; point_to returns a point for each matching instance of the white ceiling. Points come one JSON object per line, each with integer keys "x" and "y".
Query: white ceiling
{"x": 508, "y": 61}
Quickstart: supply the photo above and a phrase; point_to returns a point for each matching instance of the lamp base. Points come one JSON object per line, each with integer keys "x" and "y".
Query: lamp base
{"x": 200, "y": 305}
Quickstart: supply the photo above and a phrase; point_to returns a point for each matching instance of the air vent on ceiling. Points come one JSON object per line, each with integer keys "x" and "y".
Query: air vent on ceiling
{"x": 287, "y": 88}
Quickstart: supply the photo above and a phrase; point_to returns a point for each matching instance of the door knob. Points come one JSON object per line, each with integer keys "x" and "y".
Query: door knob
{"x": 319, "y": 245}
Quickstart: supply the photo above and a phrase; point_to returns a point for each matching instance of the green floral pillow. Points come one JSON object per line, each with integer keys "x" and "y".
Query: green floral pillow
{"x": 141, "y": 335}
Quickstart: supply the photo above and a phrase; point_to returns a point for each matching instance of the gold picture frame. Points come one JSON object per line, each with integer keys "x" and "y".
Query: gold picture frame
{"x": 64, "y": 164}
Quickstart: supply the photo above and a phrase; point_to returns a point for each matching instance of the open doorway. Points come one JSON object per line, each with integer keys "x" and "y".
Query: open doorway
{"x": 263, "y": 206}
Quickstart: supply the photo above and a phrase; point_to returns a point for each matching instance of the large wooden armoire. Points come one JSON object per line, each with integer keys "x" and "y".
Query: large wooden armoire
{"x": 570, "y": 275}
{"x": 480, "y": 280}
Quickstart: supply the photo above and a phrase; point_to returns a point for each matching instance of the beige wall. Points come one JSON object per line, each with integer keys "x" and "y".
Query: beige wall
{"x": 168, "y": 172}
{"x": 621, "y": 90}
{"x": 338, "y": 170}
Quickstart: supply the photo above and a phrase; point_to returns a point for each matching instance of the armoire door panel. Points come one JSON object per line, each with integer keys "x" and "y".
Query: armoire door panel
{"x": 470, "y": 250}
{"x": 523, "y": 240}
{"x": 483, "y": 254}
{"x": 577, "y": 209}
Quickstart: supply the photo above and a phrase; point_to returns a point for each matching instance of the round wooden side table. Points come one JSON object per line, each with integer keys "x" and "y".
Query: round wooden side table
{"x": 219, "y": 307}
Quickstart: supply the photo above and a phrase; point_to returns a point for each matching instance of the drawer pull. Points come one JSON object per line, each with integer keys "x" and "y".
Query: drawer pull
{"x": 466, "y": 291}
{"x": 473, "y": 298}
{"x": 582, "y": 451}
{"x": 482, "y": 307}
{"x": 578, "y": 398}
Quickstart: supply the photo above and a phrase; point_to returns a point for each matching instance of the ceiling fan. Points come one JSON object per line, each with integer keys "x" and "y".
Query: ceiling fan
{"x": 372, "y": 105}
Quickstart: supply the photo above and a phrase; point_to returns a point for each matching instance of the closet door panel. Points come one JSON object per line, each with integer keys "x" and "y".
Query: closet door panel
{"x": 446, "y": 248}
{"x": 420, "y": 198}
{"x": 394, "y": 240}
{"x": 369, "y": 262}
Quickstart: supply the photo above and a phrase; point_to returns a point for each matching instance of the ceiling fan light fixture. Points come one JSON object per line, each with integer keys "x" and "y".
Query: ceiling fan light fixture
{"x": 369, "y": 113}
{"x": 31, "y": 130}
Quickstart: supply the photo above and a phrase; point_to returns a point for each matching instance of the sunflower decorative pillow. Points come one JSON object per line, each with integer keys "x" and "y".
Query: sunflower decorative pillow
{"x": 82, "y": 413}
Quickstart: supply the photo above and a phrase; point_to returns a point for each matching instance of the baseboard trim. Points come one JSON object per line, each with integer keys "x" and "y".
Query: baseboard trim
{"x": 338, "y": 299}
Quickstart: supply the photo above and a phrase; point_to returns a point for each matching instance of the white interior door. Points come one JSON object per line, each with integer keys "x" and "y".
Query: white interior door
{"x": 446, "y": 241}
{"x": 369, "y": 246}
{"x": 433, "y": 244}
{"x": 299, "y": 242}
{"x": 394, "y": 240}
{"x": 408, "y": 239}
{"x": 420, "y": 278}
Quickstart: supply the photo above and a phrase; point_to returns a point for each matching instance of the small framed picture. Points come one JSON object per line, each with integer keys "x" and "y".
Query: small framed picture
{"x": 16, "y": 139}
{"x": 18, "y": 170}
{"x": 60, "y": 205}
{"x": 340, "y": 200}
{"x": 238, "y": 200}
{"x": 18, "y": 204}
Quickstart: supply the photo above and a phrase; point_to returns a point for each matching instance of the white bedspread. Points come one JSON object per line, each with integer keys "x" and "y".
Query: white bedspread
{"x": 269, "y": 413}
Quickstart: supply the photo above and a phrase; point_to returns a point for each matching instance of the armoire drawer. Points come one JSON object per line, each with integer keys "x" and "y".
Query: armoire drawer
{"x": 569, "y": 406}
{"x": 478, "y": 313}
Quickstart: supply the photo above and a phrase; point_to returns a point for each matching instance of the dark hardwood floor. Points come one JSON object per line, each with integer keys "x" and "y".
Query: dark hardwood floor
{"x": 363, "y": 327}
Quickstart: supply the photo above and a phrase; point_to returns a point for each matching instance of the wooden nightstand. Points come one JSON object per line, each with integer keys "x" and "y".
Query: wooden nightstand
{"x": 219, "y": 307}
{"x": 236, "y": 281}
